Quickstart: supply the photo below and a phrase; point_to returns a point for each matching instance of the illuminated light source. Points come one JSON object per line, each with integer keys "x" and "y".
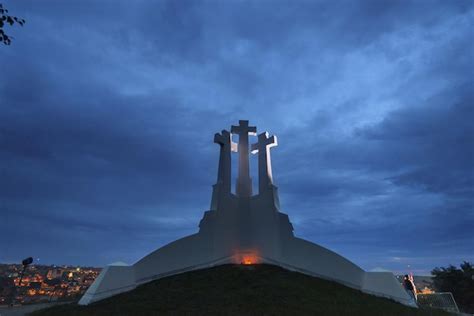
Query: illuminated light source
{"x": 246, "y": 257}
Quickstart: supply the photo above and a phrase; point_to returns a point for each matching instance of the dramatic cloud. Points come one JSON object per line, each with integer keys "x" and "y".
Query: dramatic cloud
{"x": 108, "y": 110}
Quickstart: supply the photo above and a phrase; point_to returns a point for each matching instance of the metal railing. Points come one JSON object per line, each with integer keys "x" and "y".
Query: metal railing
{"x": 442, "y": 300}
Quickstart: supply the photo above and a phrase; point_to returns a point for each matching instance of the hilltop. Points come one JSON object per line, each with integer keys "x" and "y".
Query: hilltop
{"x": 241, "y": 290}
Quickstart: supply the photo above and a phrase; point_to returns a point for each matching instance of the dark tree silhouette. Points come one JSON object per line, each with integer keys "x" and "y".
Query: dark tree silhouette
{"x": 7, "y": 19}
{"x": 460, "y": 282}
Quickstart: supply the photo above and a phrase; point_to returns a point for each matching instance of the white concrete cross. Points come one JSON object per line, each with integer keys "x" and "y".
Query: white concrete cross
{"x": 224, "y": 171}
{"x": 244, "y": 183}
{"x": 262, "y": 147}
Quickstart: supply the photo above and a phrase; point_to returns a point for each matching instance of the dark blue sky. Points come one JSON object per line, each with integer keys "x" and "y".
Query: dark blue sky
{"x": 108, "y": 111}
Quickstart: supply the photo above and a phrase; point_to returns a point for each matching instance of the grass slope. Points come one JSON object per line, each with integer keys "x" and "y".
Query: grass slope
{"x": 240, "y": 290}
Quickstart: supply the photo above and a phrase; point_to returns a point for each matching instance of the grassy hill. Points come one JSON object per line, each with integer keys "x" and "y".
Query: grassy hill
{"x": 240, "y": 290}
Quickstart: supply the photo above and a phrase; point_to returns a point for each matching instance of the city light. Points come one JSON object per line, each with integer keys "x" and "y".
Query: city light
{"x": 43, "y": 283}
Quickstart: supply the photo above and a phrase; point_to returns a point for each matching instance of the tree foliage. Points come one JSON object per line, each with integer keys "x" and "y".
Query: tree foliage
{"x": 5, "y": 19}
{"x": 460, "y": 282}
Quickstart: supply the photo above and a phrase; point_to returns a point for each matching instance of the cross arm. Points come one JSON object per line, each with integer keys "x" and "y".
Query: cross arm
{"x": 272, "y": 141}
{"x": 263, "y": 142}
{"x": 223, "y": 138}
{"x": 252, "y": 130}
{"x": 243, "y": 128}
{"x": 254, "y": 148}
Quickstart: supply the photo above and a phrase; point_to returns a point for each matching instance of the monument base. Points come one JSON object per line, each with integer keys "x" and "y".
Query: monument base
{"x": 296, "y": 254}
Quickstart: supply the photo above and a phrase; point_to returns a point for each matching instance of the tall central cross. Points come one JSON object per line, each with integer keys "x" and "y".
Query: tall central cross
{"x": 265, "y": 177}
{"x": 244, "y": 183}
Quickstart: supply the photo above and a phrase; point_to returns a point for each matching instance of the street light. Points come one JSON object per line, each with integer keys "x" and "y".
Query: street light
{"x": 26, "y": 262}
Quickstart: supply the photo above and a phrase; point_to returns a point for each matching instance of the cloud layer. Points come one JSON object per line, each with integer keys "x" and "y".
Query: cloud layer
{"x": 108, "y": 112}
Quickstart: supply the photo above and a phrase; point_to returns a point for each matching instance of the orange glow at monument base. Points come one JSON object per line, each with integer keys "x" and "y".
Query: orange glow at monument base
{"x": 248, "y": 261}
{"x": 247, "y": 257}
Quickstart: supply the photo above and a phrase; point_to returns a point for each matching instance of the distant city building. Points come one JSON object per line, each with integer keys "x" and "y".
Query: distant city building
{"x": 44, "y": 283}
{"x": 55, "y": 273}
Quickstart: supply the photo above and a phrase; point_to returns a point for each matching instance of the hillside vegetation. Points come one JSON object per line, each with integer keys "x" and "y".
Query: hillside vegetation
{"x": 241, "y": 290}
